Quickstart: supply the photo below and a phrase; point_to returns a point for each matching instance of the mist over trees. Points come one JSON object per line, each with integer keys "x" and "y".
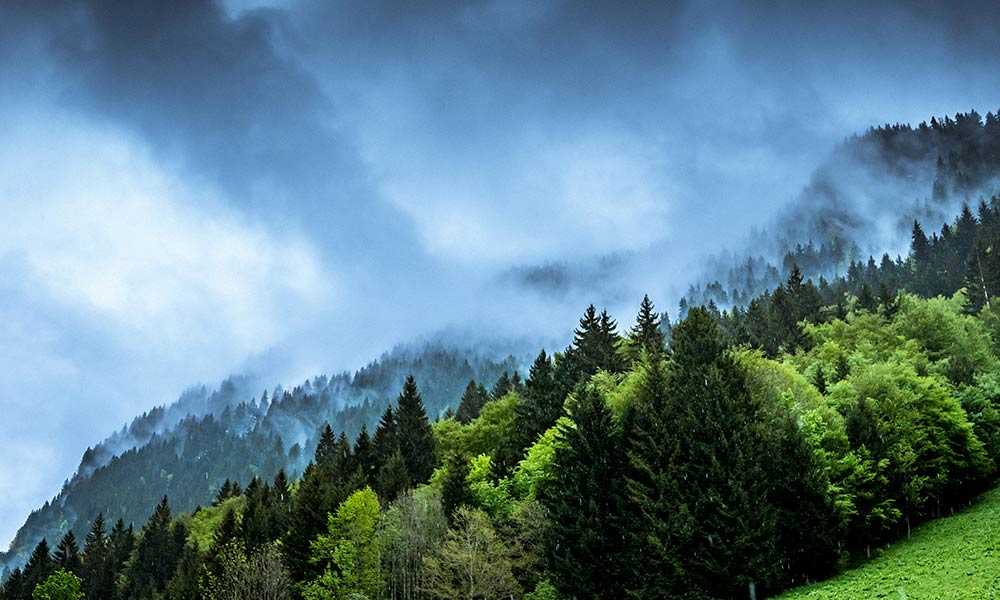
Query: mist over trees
{"x": 813, "y": 413}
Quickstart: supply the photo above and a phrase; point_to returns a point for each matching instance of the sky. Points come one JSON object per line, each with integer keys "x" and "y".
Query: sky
{"x": 193, "y": 189}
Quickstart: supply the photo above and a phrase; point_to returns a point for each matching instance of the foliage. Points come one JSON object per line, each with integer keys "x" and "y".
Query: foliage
{"x": 472, "y": 563}
{"x": 349, "y": 550}
{"x": 61, "y": 585}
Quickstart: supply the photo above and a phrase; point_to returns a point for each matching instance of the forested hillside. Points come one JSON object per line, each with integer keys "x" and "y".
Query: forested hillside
{"x": 190, "y": 448}
{"x": 863, "y": 201}
{"x": 774, "y": 435}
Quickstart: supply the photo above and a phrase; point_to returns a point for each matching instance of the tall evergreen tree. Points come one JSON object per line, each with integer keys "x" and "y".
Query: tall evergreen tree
{"x": 40, "y": 566}
{"x": 98, "y": 570}
{"x": 472, "y": 402}
{"x": 306, "y": 520}
{"x": 538, "y": 410}
{"x": 67, "y": 554}
{"x": 647, "y": 334}
{"x": 502, "y": 387}
{"x": 364, "y": 454}
{"x": 326, "y": 449}
{"x": 416, "y": 438}
{"x": 156, "y": 555}
{"x": 586, "y": 505}
{"x": 385, "y": 443}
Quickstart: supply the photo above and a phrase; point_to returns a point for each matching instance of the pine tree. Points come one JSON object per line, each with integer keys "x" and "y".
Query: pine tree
{"x": 454, "y": 487}
{"x": 385, "y": 443}
{"x": 646, "y": 335}
{"x": 393, "y": 478}
{"x": 306, "y": 520}
{"x": 502, "y": 387}
{"x": 40, "y": 566}
{"x": 472, "y": 402}
{"x": 585, "y": 503}
{"x": 67, "y": 554}
{"x": 326, "y": 449}
{"x": 156, "y": 555}
{"x": 364, "y": 454}
{"x": 416, "y": 438}
{"x": 541, "y": 405}
{"x": 97, "y": 572}
{"x": 708, "y": 457}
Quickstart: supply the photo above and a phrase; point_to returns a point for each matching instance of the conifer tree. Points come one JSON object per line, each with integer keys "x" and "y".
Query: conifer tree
{"x": 416, "y": 438}
{"x": 454, "y": 487}
{"x": 40, "y": 565}
{"x": 156, "y": 554}
{"x": 306, "y": 520}
{"x": 364, "y": 455}
{"x": 121, "y": 542}
{"x": 502, "y": 387}
{"x": 393, "y": 478}
{"x": 97, "y": 572}
{"x": 585, "y": 503}
{"x": 646, "y": 335}
{"x": 472, "y": 402}
{"x": 385, "y": 443}
{"x": 538, "y": 410}
{"x": 326, "y": 449}
{"x": 67, "y": 554}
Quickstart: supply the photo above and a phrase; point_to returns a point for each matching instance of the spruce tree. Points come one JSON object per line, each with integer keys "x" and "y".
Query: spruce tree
{"x": 364, "y": 454}
{"x": 538, "y": 410}
{"x": 121, "y": 542}
{"x": 306, "y": 520}
{"x": 98, "y": 570}
{"x": 67, "y": 554}
{"x": 416, "y": 438}
{"x": 454, "y": 487}
{"x": 156, "y": 555}
{"x": 385, "y": 443}
{"x": 393, "y": 478}
{"x": 40, "y": 566}
{"x": 502, "y": 387}
{"x": 472, "y": 402}
{"x": 326, "y": 449}
{"x": 586, "y": 505}
{"x": 646, "y": 335}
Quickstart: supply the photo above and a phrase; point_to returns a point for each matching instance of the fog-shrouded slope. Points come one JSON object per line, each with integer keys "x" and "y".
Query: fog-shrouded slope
{"x": 861, "y": 202}
{"x": 188, "y": 449}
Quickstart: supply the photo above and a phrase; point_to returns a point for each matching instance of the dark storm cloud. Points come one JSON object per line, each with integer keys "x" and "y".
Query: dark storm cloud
{"x": 215, "y": 97}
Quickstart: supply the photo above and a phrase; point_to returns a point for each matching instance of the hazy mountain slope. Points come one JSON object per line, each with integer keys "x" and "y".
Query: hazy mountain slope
{"x": 188, "y": 449}
{"x": 862, "y": 200}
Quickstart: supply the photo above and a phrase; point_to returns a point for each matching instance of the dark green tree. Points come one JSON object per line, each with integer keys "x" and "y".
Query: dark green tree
{"x": 416, "y": 438}
{"x": 647, "y": 333}
{"x": 40, "y": 566}
{"x": 98, "y": 570}
{"x": 156, "y": 554}
{"x": 454, "y": 487}
{"x": 67, "y": 554}
{"x": 586, "y": 505}
{"x": 473, "y": 400}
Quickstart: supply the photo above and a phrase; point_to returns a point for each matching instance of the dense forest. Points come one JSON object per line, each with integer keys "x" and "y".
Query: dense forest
{"x": 190, "y": 448}
{"x": 778, "y": 431}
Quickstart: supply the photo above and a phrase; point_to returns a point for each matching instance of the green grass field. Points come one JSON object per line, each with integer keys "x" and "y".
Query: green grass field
{"x": 948, "y": 558}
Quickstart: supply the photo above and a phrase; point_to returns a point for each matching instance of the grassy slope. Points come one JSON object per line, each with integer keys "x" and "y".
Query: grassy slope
{"x": 952, "y": 557}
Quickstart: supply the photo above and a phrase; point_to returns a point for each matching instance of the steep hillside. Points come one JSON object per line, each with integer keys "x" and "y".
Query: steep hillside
{"x": 952, "y": 558}
{"x": 188, "y": 449}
